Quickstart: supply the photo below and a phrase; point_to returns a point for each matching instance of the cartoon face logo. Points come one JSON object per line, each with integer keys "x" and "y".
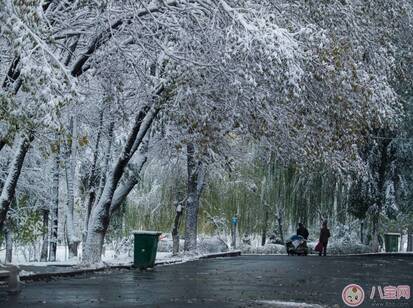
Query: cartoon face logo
{"x": 353, "y": 295}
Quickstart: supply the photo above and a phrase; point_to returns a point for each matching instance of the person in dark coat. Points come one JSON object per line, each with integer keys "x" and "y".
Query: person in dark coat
{"x": 302, "y": 231}
{"x": 324, "y": 235}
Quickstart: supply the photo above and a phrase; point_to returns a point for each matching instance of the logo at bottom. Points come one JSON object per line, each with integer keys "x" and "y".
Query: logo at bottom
{"x": 353, "y": 295}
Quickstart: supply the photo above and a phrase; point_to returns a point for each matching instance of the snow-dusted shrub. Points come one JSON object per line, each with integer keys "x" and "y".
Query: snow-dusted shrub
{"x": 165, "y": 245}
{"x": 205, "y": 244}
{"x": 211, "y": 244}
{"x": 342, "y": 247}
{"x": 344, "y": 240}
{"x": 267, "y": 249}
{"x": 345, "y": 247}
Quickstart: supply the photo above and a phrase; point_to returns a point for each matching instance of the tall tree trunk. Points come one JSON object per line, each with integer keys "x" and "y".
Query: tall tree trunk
{"x": 383, "y": 166}
{"x": 362, "y": 232}
{"x": 9, "y": 188}
{"x": 335, "y": 204}
{"x": 375, "y": 232}
{"x": 100, "y": 216}
{"x": 280, "y": 225}
{"x": 45, "y": 235}
{"x": 131, "y": 177}
{"x": 410, "y": 238}
{"x": 9, "y": 244}
{"x": 195, "y": 184}
{"x": 55, "y": 206}
{"x": 72, "y": 240}
{"x": 105, "y": 169}
{"x": 91, "y": 186}
{"x": 264, "y": 227}
{"x": 175, "y": 229}
{"x": 70, "y": 158}
{"x": 265, "y": 209}
{"x": 283, "y": 193}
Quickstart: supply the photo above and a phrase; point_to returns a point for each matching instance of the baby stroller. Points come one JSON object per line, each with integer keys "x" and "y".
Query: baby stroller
{"x": 296, "y": 245}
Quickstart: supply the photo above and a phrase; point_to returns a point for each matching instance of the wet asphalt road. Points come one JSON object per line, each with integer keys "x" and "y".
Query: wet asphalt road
{"x": 244, "y": 281}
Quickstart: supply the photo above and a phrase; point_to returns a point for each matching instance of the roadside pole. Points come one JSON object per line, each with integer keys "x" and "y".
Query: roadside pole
{"x": 410, "y": 240}
{"x": 234, "y": 222}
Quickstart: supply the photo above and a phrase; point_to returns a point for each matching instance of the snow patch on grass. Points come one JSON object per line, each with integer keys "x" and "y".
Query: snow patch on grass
{"x": 338, "y": 247}
{"x": 268, "y": 249}
{"x": 342, "y": 244}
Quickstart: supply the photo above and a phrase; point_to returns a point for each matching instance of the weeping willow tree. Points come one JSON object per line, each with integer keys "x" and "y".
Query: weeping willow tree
{"x": 267, "y": 197}
{"x": 271, "y": 198}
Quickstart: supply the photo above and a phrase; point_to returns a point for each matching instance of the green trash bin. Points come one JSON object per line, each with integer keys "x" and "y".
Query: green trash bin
{"x": 392, "y": 242}
{"x": 145, "y": 247}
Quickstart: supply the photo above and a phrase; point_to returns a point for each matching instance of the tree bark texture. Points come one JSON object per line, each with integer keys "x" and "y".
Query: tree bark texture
{"x": 9, "y": 188}
{"x": 45, "y": 235}
{"x": 195, "y": 184}
{"x": 100, "y": 215}
{"x": 55, "y": 207}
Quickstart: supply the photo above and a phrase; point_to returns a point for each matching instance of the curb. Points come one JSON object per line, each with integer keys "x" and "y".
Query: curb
{"x": 383, "y": 254}
{"x": 368, "y": 254}
{"x": 48, "y": 276}
{"x": 234, "y": 253}
{"x": 77, "y": 272}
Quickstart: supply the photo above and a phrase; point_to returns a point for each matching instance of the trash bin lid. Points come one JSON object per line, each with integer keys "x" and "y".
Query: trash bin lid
{"x": 146, "y": 232}
{"x": 392, "y": 233}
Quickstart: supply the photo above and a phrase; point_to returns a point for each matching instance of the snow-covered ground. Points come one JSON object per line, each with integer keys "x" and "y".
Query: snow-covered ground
{"x": 269, "y": 248}
{"x": 343, "y": 245}
{"x": 122, "y": 252}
